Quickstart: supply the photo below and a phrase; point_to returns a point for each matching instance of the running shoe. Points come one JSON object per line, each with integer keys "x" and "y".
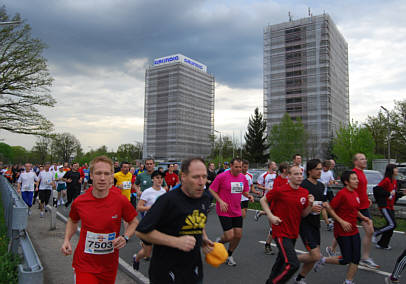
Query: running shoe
{"x": 301, "y": 281}
{"x": 58, "y": 203}
{"x": 29, "y": 212}
{"x": 330, "y": 252}
{"x": 230, "y": 261}
{"x": 268, "y": 250}
{"x": 388, "y": 280}
{"x": 330, "y": 226}
{"x": 369, "y": 263}
{"x": 41, "y": 215}
{"x": 318, "y": 265}
{"x": 380, "y": 247}
{"x": 136, "y": 264}
{"x": 257, "y": 215}
{"x": 374, "y": 239}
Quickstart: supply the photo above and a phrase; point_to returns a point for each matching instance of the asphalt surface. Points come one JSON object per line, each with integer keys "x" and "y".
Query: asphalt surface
{"x": 253, "y": 266}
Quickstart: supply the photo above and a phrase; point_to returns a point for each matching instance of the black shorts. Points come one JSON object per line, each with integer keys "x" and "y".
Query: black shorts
{"x": 328, "y": 196}
{"x": 310, "y": 236}
{"x": 365, "y": 212}
{"x": 244, "y": 204}
{"x": 350, "y": 247}
{"x": 227, "y": 223}
{"x": 44, "y": 195}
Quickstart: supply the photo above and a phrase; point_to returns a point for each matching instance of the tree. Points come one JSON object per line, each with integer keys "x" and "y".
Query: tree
{"x": 20, "y": 155}
{"x": 378, "y": 126}
{"x": 129, "y": 152}
{"x": 24, "y": 80}
{"x": 256, "y": 139}
{"x": 352, "y": 139}
{"x": 41, "y": 149}
{"x": 287, "y": 138}
{"x": 65, "y": 146}
{"x": 6, "y": 153}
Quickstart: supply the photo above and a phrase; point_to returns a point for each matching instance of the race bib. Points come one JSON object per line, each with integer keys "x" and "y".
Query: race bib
{"x": 99, "y": 243}
{"x": 126, "y": 185}
{"x": 48, "y": 181}
{"x": 237, "y": 187}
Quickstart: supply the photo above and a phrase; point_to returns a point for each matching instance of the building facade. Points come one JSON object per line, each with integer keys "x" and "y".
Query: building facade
{"x": 179, "y": 109}
{"x": 306, "y": 76}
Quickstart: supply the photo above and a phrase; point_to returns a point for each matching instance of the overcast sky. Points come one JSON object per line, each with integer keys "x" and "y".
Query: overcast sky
{"x": 98, "y": 51}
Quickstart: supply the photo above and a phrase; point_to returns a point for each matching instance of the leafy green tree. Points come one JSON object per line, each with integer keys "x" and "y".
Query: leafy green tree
{"x": 20, "y": 155}
{"x": 378, "y": 126}
{"x": 287, "y": 138}
{"x": 129, "y": 152}
{"x": 256, "y": 145}
{"x": 65, "y": 147}
{"x": 352, "y": 139}
{"x": 24, "y": 80}
{"x": 40, "y": 151}
{"x": 6, "y": 153}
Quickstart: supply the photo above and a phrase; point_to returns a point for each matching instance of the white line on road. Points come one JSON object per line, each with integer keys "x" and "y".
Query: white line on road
{"x": 359, "y": 266}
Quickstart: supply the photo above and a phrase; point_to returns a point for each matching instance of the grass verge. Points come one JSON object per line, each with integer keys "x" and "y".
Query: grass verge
{"x": 8, "y": 261}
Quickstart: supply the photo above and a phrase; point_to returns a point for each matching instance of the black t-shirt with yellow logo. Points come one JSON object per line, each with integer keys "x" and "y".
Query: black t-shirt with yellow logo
{"x": 176, "y": 214}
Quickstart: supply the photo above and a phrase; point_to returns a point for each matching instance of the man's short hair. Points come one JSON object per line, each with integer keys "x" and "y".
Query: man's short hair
{"x": 156, "y": 173}
{"x": 186, "y": 164}
{"x": 102, "y": 159}
{"x": 355, "y": 157}
{"x": 283, "y": 166}
{"x": 245, "y": 162}
{"x": 326, "y": 163}
{"x": 235, "y": 160}
{"x": 270, "y": 163}
{"x": 312, "y": 164}
{"x": 295, "y": 155}
{"x": 149, "y": 159}
{"x": 124, "y": 163}
{"x": 345, "y": 177}
{"x": 291, "y": 167}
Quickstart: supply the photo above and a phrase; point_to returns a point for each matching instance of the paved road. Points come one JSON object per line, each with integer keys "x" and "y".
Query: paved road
{"x": 253, "y": 266}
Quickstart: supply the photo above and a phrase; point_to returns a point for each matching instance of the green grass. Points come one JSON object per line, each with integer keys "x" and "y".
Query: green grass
{"x": 379, "y": 221}
{"x": 8, "y": 261}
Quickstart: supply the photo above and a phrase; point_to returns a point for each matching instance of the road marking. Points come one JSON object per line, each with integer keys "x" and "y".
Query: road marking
{"x": 359, "y": 266}
{"x": 127, "y": 268}
{"x": 397, "y": 232}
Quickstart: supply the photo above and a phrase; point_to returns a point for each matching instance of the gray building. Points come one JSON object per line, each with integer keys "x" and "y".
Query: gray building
{"x": 306, "y": 76}
{"x": 179, "y": 109}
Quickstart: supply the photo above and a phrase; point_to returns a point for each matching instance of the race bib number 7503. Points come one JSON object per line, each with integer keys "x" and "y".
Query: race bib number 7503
{"x": 99, "y": 243}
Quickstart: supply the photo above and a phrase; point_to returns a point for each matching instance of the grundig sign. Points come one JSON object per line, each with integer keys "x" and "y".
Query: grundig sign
{"x": 180, "y": 58}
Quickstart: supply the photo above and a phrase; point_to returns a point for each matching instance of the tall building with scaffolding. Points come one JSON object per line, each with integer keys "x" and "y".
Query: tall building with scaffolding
{"x": 179, "y": 109}
{"x": 306, "y": 76}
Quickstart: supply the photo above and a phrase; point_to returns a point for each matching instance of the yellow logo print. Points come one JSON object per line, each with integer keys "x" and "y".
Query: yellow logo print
{"x": 195, "y": 221}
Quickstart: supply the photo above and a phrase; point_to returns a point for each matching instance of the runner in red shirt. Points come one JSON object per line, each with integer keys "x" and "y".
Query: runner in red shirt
{"x": 389, "y": 184}
{"x": 360, "y": 164}
{"x": 289, "y": 204}
{"x": 171, "y": 178}
{"x": 345, "y": 209}
{"x": 100, "y": 211}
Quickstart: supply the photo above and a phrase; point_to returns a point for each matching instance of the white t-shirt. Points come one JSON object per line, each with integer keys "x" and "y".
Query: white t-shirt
{"x": 325, "y": 179}
{"x": 248, "y": 176}
{"x": 58, "y": 175}
{"x": 27, "y": 180}
{"x": 267, "y": 179}
{"x": 46, "y": 180}
{"x": 150, "y": 195}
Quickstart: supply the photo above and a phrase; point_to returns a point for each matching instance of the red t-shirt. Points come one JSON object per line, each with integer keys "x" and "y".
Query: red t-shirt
{"x": 99, "y": 216}
{"x": 362, "y": 188}
{"x": 279, "y": 181}
{"x": 346, "y": 204}
{"x": 171, "y": 179}
{"x": 287, "y": 204}
{"x": 389, "y": 185}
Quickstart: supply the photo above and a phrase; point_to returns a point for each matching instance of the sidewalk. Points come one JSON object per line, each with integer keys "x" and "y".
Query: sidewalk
{"x": 57, "y": 267}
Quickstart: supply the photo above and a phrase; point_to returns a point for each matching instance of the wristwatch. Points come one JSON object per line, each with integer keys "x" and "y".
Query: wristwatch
{"x": 125, "y": 238}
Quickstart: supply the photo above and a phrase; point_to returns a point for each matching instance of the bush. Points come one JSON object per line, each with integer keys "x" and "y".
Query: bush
{"x": 8, "y": 261}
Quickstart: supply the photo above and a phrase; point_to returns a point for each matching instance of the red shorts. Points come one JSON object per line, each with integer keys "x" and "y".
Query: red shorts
{"x": 94, "y": 278}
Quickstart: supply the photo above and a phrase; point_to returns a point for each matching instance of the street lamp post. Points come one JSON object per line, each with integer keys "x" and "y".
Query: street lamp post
{"x": 221, "y": 146}
{"x": 389, "y": 131}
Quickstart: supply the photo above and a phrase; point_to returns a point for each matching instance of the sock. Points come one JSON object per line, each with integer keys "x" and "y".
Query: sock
{"x": 323, "y": 260}
{"x": 348, "y": 281}
{"x": 299, "y": 277}
{"x": 229, "y": 252}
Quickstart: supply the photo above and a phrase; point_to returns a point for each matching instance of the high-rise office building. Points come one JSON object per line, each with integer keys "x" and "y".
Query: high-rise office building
{"x": 306, "y": 76}
{"x": 179, "y": 109}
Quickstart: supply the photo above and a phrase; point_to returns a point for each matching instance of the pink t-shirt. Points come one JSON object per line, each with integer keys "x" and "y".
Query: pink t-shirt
{"x": 230, "y": 189}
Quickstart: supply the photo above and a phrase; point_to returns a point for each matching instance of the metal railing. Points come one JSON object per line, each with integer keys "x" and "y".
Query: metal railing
{"x": 15, "y": 214}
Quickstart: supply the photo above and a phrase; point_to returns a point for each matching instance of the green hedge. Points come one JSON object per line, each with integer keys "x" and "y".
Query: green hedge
{"x": 8, "y": 261}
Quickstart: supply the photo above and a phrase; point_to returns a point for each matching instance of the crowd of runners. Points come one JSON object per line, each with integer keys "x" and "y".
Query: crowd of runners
{"x": 167, "y": 211}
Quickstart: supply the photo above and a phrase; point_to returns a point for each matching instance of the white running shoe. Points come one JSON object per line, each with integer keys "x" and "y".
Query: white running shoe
{"x": 369, "y": 263}
{"x": 300, "y": 282}
{"x": 380, "y": 247}
{"x": 230, "y": 261}
{"x": 330, "y": 252}
{"x": 257, "y": 215}
{"x": 374, "y": 239}
{"x": 62, "y": 202}
{"x": 41, "y": 215}
{"x": 58, "y": 203}
{"x": 318, "y": 265}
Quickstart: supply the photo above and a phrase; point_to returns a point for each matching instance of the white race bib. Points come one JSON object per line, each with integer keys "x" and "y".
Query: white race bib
{"x": 126, "y": 184}
{"x": 237, "y": 187}
{"x": 99, "y": 243}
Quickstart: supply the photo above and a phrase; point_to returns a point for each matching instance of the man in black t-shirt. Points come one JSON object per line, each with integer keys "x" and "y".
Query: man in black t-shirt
{"x": 310, "y": 225}
{"x": 73, "y": 183}
{"x": 178, "y": 237}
